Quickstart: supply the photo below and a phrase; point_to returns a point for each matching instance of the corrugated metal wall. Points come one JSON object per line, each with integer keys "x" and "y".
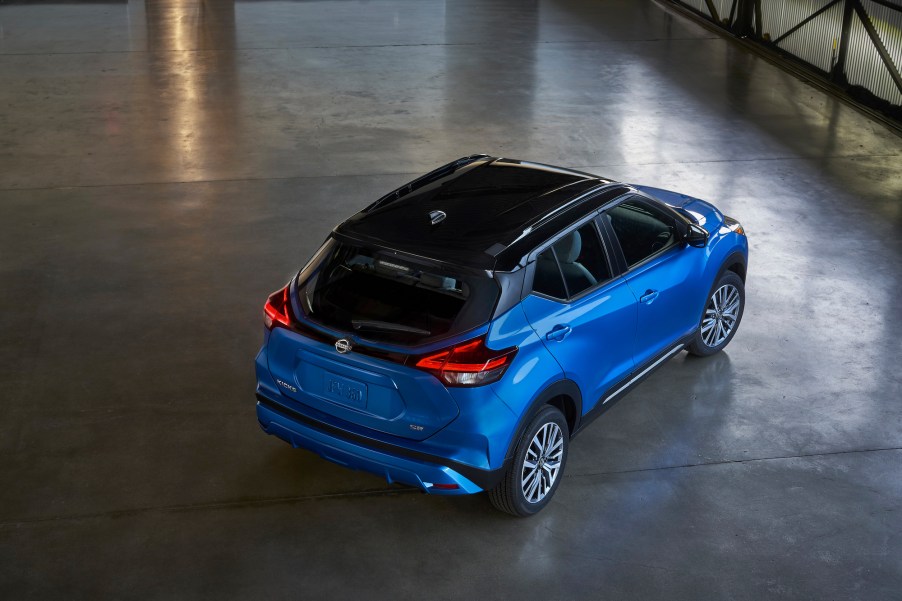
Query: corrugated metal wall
{"x": 814, "y": 42}
{"x": 698, "y": 5}
{"x": 723, "y": 7}
{"x": 863, "y": 65}
{"x": 820, "y": 40}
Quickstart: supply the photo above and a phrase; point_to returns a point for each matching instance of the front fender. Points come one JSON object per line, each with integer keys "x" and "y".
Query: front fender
{"x": 726, "y": 249}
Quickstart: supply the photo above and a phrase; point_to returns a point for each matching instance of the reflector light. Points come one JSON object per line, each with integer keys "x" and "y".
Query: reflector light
{"x": 277, "y": 310}
{"x": 446, "y": 486}
{"x": 469, "y": 364}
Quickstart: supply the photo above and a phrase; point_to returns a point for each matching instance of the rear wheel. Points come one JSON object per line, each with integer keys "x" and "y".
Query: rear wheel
{"x": 538, "y": 465}
{"x": 721, "y": 317}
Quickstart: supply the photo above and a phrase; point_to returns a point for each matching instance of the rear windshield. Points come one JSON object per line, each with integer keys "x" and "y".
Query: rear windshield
{"x": 382, "y": 297}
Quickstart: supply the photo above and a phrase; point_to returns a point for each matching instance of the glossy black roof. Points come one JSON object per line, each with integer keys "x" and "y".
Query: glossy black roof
{"x": 490, "y": 205}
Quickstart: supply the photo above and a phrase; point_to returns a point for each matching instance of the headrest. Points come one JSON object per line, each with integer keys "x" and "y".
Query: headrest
{"x": 569, "y": 247}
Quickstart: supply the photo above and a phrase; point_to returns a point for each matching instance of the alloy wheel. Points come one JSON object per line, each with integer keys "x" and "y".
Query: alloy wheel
{"x": 720, "y": 315}
{"x": 542, "y": 463}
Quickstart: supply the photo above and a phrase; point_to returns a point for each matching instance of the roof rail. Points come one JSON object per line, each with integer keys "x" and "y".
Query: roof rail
{"x": 421, "y": 181}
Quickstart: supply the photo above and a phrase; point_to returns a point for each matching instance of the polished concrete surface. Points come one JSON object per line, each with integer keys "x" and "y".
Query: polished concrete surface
{"x": 164, "y": 166}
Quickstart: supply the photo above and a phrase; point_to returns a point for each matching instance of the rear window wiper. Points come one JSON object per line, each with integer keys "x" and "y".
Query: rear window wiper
{"x": 385, "y": 326}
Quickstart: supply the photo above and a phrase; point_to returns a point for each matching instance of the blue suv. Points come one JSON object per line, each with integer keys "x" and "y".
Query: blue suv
{"x": 458, "y": 332}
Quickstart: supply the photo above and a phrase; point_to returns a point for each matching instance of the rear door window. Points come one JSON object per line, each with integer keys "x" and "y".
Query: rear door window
{"x": 382, "y": 297}
{"x": 548, "y": 279}
{"x": 571, "y": 265}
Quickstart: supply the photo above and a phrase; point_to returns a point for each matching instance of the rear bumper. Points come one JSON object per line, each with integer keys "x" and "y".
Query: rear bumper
{"x": 394, "y": 463}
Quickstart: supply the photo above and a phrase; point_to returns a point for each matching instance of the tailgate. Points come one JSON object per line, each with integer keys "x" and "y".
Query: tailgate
{"x": 373, "y": 393}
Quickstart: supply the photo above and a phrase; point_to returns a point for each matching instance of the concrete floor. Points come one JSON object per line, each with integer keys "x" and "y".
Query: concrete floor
{"x": 164, "y": 167}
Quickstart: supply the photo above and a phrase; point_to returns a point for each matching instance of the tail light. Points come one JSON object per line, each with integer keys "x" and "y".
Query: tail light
{"x": 471, "y": 363}
{"x": 277, "y": 310}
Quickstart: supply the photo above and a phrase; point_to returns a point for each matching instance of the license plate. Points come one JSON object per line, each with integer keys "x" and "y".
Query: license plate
{"x": 344, "y": 390}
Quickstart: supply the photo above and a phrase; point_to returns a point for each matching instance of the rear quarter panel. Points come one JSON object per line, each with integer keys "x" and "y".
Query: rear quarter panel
{"x": 534, "y": 369}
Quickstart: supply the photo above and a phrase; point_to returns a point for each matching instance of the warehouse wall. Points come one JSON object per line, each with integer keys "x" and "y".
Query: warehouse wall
{"x": 856, "y": 44}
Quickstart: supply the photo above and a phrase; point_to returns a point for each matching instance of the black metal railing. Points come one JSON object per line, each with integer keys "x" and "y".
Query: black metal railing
{"x": 855, "y": 44}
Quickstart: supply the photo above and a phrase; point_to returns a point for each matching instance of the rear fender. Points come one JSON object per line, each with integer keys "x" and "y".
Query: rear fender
{"x": 560, "y": 388}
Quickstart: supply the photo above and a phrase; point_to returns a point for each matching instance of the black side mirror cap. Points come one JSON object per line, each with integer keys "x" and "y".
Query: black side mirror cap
{"x": 696, "y": 236}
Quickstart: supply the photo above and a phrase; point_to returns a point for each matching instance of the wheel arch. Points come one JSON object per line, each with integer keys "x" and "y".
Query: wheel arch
{"x": 563, "y": 394}
{"x": 736, "y": 262}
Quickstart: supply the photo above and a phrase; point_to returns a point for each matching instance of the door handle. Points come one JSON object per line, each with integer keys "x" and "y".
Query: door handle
{"x": 649, "y": 296}
{"x": 558, "y": 332}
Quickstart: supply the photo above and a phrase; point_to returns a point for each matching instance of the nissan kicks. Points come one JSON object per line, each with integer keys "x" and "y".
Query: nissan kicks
{"x": 457, "y": 333}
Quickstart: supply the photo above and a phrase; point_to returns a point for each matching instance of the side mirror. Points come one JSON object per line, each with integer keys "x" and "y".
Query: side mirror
{"x": 696, "y": 236}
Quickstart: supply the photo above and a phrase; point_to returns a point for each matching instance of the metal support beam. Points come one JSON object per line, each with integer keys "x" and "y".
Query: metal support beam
{"x": 838, "y": 72}
{"x": 888, "y": 4}
{"x": 878, "y": 43}
{"x": 759, "y": 28}
{"x": 745, "y": 13}
{"x": 713, "y": 11}
{"x": 807, "y": 20}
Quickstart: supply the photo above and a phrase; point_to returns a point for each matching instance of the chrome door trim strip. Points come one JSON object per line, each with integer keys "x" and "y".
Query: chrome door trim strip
{"x": 672, "y": 352}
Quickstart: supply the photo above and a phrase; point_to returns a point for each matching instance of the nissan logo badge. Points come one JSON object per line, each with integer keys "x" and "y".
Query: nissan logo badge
{"x": 436, "y": 217}
{"x": 343, "y": 345}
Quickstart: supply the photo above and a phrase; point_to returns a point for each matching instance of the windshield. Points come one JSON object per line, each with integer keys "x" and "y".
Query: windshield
{"x": 382, "y": 297}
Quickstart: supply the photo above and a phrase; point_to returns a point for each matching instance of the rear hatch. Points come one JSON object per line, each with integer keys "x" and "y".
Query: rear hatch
{"x": 373, "y": 393}
{"x": 388, "y": 307}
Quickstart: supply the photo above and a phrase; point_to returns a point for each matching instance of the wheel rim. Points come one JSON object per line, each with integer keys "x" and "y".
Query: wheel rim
{"x": 721, "y": 314}
{"x": 542, "y": 463}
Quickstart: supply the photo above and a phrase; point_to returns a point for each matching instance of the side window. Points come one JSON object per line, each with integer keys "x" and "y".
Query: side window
{"x": 642, "y": 230}
{"x": 582, "y": 259}
{"x": 548, "y": 278}
{"x": 578, "y": 257}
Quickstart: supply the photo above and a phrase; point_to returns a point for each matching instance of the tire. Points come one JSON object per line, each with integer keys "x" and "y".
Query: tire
{"x": 721, "y": 317}
{"x": 535, "y": 474}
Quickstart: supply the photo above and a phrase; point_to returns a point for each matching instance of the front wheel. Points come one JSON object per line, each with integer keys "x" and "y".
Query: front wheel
{"x": 537, "y": 468}
{"x": 721, "y": 317}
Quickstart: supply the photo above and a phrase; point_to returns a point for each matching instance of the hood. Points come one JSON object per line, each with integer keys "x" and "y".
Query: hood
{"x": 703, "y": 213}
